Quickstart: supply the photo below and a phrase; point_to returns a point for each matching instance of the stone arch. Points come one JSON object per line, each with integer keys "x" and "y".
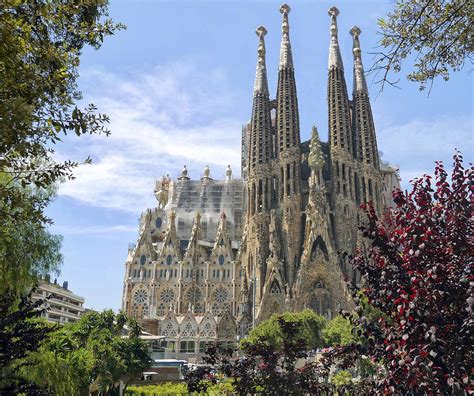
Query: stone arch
{"x": 208, "y": 327}
{"x": 275, "y": 287}
{"x": 319, "y": 243}
{"x": 169, "y": 326}
{"x": 320, "y": 302}
{"x": 188, "y": 327}
{"x": 140, "y": 302}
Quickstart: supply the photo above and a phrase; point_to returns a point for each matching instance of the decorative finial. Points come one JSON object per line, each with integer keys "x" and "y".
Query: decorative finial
{"x": 228, "y": 174}
{"x": 355, "y": 32}
{"x": 261, "y": 84}
{"x": 206, "y": 174}
{"x": 360, "y": 84}
{"x": 333, "y": 12}
{"x": 335, "y": 59}
{"x": 184, "y": 174}
{"x": 286, "y": 58}
{"x": 285, "y": 10}
{"x": 261, "y": 32}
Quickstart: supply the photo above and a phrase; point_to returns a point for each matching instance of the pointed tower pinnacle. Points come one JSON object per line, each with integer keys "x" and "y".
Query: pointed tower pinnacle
{"x": 286, "y": 58}
{"x": 261, "y": 83}
{"x": 365, "y": 145}
{"x": 335, "y": 59}
{"x": 288, "y": 166}
{"x": 288, "y": 129}
{"x": 359, "y": 78}
{"x": 260, "y": 133}
{"x": 340, "y": 134}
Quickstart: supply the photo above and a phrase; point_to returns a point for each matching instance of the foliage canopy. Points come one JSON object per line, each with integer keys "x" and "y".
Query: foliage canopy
{"x": 91, "y": 355}
{"x": 309, "y": 328}
{"x": 21, "y": 332}
{"x": 436, "y": 33}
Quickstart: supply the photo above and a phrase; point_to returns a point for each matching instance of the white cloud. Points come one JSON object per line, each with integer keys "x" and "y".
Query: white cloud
{"x": 160, "y": 120}
{"x": 178, "y": 114}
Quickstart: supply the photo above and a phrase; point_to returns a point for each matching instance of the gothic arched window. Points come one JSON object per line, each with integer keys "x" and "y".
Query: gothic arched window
{"x": 275, "y": 288}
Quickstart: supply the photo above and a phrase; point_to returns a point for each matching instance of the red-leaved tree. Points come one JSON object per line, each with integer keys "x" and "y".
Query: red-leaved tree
{"x": 418, "y": 271}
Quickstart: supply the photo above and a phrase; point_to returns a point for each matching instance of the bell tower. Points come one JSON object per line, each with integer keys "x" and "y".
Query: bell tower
{"x": 259, "y": 176}
{"x": 288, "y": 166}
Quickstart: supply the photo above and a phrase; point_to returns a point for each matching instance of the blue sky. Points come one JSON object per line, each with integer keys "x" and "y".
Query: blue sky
{"x": 177, "y": 85}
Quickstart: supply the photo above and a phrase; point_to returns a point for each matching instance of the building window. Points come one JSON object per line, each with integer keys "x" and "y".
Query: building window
{"x": 171, "y": 346}
{"x": 158, "y": 222}
{"x": 187, "y": 347}
{"x": 142, "y": 259}
{"x": 202, "y": 346}
{"x": 191, "y": 347}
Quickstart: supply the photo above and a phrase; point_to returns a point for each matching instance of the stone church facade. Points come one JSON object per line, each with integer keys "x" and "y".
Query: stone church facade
{"x": 279, "y": 238}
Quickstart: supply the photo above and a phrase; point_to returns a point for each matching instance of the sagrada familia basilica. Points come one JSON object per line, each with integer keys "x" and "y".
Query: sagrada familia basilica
{"x": 215, "y": 257}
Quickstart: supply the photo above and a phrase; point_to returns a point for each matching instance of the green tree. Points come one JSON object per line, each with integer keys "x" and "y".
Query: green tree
{"x": 27, "y": 249}
{"x": 338, "y": 331}
{"x": 435, "y": 34}
{"x": 342, "y": 377}
{"x": 21, "y": 332}
{"x": 42, "y": 42}
{"x": 309, "y": 326}
{"x": 89, "y": 356}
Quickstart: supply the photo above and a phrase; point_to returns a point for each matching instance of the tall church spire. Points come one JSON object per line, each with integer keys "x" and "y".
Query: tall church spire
{"x": 286, "y": 58}
{"x": 260, "y": 134}
{"x": 340, "y": 135}
{"x": 288, "y": 169}
{"x": 261, "y": 83}
{"x": 288, "y": 129}
{"x": 335, "y": 59}
{"x": 360, "y": 85}
{"x": 363, "y": 122}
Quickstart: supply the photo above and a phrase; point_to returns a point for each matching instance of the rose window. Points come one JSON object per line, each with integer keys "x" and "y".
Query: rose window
{"x": 140, "y": 296}
{"x": 194, "y": 295}
{"x": 167, "y": 296}
{"x": 221, "y": 295}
